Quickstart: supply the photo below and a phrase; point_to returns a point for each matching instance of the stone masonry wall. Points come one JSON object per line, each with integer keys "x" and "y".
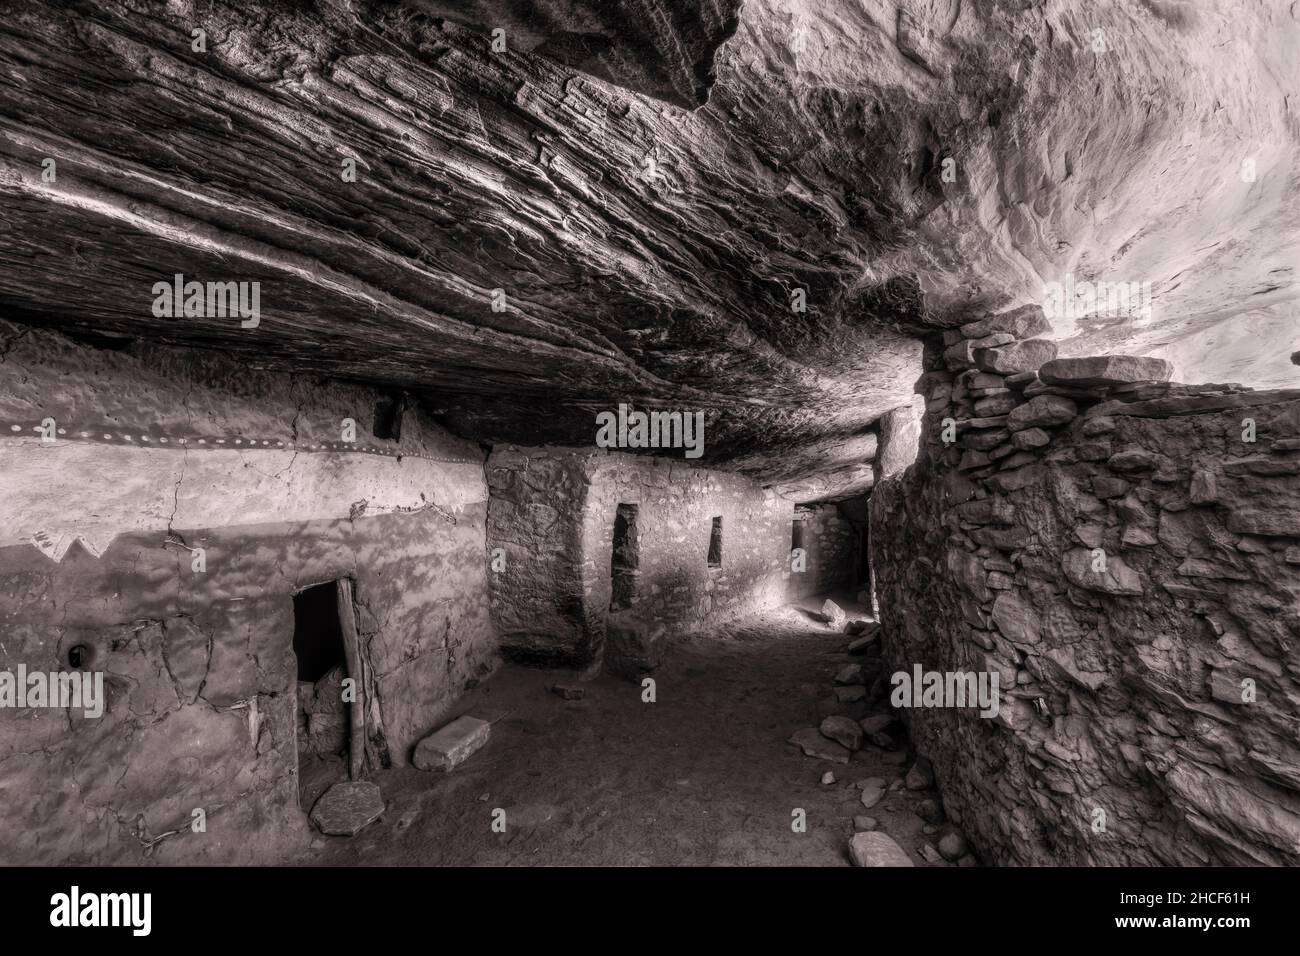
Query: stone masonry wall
{"x": 1121, "y": 553}
{"x": 831, "y": 541}
{"x": 159, "y": 452}
{"x": 536, "y": 590}
{"x": 552, "y": 512}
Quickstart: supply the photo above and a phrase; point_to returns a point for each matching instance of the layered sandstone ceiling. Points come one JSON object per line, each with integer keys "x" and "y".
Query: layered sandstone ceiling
{"x": 648, "y": 246}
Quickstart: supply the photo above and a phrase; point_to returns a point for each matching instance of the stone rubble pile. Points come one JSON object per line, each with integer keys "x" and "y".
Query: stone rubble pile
{"x": 848, "y": 732}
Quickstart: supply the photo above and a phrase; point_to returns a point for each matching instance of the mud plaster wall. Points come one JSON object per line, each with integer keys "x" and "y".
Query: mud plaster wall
{"x": 831, "y": 541}
{"x": 553, "y": 510}
{"x": 199, "y": 667}
{"x": 1121, "y": 691}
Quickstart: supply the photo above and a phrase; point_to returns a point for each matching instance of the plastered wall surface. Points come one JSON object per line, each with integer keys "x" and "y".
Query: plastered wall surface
{"x": 553, "y": 510}
{"x": 99, "y": 545}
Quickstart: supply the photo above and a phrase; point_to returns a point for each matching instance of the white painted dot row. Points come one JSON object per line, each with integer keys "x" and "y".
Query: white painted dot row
{"x": 252, "y": 443}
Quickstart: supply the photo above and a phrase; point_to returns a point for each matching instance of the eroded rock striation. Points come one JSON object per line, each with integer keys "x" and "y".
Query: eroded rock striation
{"x": 523, "y": 232}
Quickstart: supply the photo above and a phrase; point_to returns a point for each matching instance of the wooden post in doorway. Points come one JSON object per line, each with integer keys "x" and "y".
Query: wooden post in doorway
{"x": 871, "y": 569}
{"x": 352, "y": 656}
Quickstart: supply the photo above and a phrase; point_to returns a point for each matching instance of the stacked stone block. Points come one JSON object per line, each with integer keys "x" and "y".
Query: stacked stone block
{"x": 1123, "y": 552}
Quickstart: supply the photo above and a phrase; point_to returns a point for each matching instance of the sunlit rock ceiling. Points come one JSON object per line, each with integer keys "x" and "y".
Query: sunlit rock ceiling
{"x": 644, "y": 248}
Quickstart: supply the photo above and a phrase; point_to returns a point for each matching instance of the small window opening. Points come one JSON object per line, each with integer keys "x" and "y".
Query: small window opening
{"x": 388, "y": 417}
{"x": 715, "y": 543}
{"x": 626, "y": 559}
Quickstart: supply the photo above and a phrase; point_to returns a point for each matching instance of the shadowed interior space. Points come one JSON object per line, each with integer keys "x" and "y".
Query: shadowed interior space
{"x": 650, "y": 432}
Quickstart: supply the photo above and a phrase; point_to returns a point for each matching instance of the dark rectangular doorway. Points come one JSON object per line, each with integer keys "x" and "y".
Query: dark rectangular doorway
{"x": 324, "y": 641}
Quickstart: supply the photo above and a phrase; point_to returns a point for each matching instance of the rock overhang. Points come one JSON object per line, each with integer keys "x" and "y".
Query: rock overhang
{"x": 645, "y": 252}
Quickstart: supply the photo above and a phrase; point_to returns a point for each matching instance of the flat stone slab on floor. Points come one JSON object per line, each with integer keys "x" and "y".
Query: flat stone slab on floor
{"x": 834, "y": 615}
{"x": 849, "y": 675}
{"x": 813, "y": 744}
{"x": 345, "y": 808}
{"x": 569, "y": 691}
{"x": 452, "y": 744}
{"x": 873, "y": 791}
{"x": 873, "y": 848}
{"x": 843, "y": 730}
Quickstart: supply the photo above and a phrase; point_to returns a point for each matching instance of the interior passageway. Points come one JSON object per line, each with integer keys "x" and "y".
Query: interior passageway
{"x": 705, "y": 775}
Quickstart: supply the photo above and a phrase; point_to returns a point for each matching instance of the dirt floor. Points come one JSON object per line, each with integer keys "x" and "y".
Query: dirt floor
{"x": 705, "y": 775}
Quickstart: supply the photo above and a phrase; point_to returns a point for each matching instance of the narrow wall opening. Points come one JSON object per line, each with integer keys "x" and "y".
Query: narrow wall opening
{"x": 328, "y": 712}
{"x": 715, "y": 543}
{"x": 866, "y": 572}
{"x": 626, "y": 560}
{"x": 863, "y": 572}
{"x": 388, "y": 417}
